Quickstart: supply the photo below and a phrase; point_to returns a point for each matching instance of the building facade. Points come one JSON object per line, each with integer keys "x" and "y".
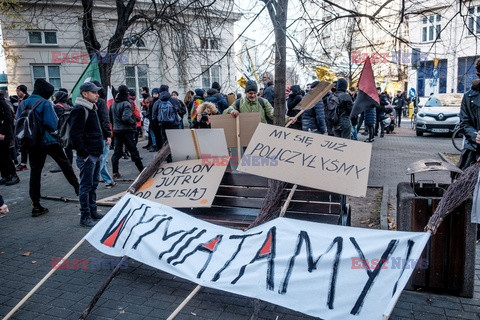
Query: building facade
{"x": 46, "y": 41}
{"x": 445, "y": 39}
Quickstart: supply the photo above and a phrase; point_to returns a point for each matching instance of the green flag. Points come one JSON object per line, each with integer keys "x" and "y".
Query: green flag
{"x": 90, "y": 73}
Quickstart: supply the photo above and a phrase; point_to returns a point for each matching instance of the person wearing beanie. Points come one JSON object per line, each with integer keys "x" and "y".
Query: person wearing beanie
{"x": 216, "y": 86}
{"x": 87, "y": 139}
{"x": 253, "y": 103}
{"x": 124, "y": 127}
{"x": 47, "y": 146}
{"x": 163, "y": 88}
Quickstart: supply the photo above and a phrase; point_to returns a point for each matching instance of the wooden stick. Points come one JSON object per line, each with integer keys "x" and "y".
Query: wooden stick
{"x": 150, "y": 169}
{"x": 287, "y": 202}
{"x": 48, "y": 275}
{"x": 184, "y": 302}
{"x": 99, "y": 293}
{"x": 239, "y": 145}
{"x": 195, "y": 143}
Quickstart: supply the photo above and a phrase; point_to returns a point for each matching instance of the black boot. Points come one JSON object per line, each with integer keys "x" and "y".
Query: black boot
{"x": 38, "y": 210}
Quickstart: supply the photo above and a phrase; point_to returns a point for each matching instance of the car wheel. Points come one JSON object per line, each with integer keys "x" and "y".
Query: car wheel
{"x": 419, "y": 133}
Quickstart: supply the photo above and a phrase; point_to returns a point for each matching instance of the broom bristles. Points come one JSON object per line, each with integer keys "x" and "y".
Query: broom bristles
{"x": 456, "y": 194}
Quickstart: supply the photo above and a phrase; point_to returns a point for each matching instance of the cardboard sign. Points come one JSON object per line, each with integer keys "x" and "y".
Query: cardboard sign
{"x": 326, "y": 271}
{"x": 183, "y": 184}
{"x": 314, "y": 96}
{"x": 184, "y": 144}
{"x": 308, "y": 159}
{"x": 248, "y": 123}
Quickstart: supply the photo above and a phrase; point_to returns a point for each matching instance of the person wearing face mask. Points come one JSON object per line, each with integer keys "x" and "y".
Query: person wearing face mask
{"x": 252, "y": 103}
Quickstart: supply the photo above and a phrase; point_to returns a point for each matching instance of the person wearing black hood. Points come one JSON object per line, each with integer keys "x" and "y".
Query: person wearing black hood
{"x": 217, "y": 99}
{"x": 152, "y": 144}
{"x": 49, "y": 145}
{"x": 165, "y": 100}
{"x": 344, "y": 127}
{"x": 124, "y": 127}
{"x": 293, "y": 99}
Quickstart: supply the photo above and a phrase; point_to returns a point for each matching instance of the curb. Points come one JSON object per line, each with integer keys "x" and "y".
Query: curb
{"x": 444, "y": 158}
{"x": 384, "y": 209}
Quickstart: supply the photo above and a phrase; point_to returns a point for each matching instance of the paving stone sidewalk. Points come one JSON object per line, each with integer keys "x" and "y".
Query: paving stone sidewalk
{"x": 141, "y": 292}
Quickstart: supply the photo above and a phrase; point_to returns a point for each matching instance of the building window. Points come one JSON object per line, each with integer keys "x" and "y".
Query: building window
{"x": 136, "y": 77}
{"x": 430, "y": 79}
{"x": 42, "y": 37}
{"x": 48, "y": 73}
{"x": 466, "y": 73}
{"x": 431, "y": 28}
{"x": 210, "y": 76}
{"x": 208, "y": 44}
{"x": 474, "y": 20}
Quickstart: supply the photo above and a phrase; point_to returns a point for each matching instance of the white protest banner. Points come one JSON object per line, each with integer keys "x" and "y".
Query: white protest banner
{"x": 326, "y": 271}
{"x": 184, "y": 184}
{"x": 308, "y": 159}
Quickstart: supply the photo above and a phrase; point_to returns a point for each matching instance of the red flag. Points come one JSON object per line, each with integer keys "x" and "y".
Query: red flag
{"x": 367, "y": 91}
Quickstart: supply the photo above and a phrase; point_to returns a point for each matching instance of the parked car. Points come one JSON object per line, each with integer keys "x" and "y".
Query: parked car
{"x": 437, "y": 115}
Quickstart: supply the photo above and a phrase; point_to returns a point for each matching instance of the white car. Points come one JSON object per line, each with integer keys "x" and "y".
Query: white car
{"x": 436, "y": 116}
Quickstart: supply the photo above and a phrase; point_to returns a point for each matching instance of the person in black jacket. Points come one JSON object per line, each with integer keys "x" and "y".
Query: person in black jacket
{"x": 344, "y": 128}
{"x": 124, "y": 127}
{"x": 293, "y": 99}
{"x": 7, "y": 169}
{"x": 268, "y": 93}
{"x": 87, "y": 139}
{"x": 381, "y": 112}
{"x": 313, "y": 119}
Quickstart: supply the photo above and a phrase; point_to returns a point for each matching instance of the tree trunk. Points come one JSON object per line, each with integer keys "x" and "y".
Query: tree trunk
{"x": 280, "y": 27}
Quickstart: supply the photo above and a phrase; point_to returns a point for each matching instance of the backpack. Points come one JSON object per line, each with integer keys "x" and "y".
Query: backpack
{"x": 166, "y": 113}
{"x": 262, "y": 103}
{"x": 332, "y": 111}
{"x": 29, "y": 130}
{"x": 65, "y": 127}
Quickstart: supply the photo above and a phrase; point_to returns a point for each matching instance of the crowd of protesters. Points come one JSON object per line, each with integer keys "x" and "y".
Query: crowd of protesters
{"x": 97, "y": 127}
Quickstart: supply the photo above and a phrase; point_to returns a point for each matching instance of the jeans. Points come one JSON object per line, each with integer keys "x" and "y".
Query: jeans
{"x": 89, "y": 174}
{"x": 107, "y": 178}
{"x": 37, "y": 161}
{"x": 126, "y": 138}
{"x": 152, "y": 135}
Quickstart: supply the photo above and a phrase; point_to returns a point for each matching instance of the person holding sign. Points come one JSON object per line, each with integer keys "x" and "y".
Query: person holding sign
{"x": 253, "y": 103}
{"x": 204, "y": 111}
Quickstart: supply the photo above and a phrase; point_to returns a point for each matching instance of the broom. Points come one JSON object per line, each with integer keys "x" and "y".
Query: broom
{"x": 457, "y": 193}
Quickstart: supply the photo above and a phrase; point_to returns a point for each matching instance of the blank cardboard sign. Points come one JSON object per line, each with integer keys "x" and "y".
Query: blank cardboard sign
{"x": 308, "y": 159}
{"x": 248, "y": 123}
{"x": 183, "y": 184}
{"x": 210, "y": 143}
